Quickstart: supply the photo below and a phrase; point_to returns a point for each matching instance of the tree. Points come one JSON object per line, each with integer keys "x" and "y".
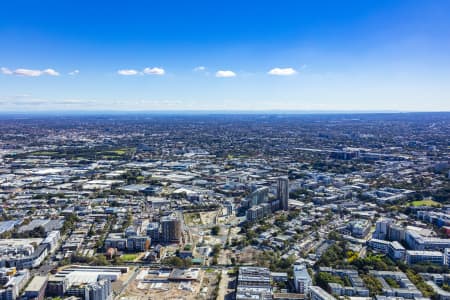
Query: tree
{"x": 426, "y": 290}
{"x": 69, "y": 223}
{"x": 373, "y": 284}
{"x": 100, "y": 260}
{"x": 178, "y": 262}
{"x": 215, "y": 230}
{"x": 323, "y": 278}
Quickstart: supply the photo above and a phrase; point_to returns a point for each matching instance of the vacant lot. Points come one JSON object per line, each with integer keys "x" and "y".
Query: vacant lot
{"x": 200, "y": 218}
{"x": 192, "y": 219}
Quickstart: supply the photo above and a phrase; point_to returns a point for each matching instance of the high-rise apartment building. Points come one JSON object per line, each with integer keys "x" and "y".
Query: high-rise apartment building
{"x": 283, "y": 192}
{"x": 170, "y": 229}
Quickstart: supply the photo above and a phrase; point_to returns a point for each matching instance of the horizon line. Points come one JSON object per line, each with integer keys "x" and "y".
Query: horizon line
{"x": 209, "y": 112}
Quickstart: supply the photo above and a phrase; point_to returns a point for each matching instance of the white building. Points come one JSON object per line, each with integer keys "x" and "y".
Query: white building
{"x": 413, "y": 257}
{"x": 317, "y": 293}
{"x": 302, "y": 280}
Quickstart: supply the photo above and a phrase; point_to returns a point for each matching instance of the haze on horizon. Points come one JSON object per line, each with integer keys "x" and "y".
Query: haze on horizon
{"x": 225, "y": 55}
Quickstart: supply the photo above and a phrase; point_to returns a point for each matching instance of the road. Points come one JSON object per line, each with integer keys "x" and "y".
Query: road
{"x": 127, "y": 282}
{"x": 223, "y": 285}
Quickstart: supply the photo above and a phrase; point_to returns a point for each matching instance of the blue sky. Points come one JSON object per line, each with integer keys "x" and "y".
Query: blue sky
{"x": 225, "y": 55}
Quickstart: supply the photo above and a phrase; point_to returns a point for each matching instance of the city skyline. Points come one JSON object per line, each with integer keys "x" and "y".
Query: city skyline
{"x": 173, "y": 56}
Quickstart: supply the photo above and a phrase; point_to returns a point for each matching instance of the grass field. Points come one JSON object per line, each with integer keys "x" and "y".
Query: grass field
{"x": 426, "y": 202}
{"x": 129, "y": 257}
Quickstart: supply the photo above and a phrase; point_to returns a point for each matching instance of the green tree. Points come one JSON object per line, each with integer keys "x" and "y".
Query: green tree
{"x": 215, "y": 230}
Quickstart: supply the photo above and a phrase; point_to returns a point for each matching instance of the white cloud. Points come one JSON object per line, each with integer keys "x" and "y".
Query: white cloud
{"x": 74, "y": 72}
{"x": 282, "y": 71}
{"x": 154, "y": 71}
{"x": 200, "y": 69}
{"x": 6, "y": 71}
{"x": 29, "y": 72}
{"x": 50, "y": 72}
{"x": 127, "y": 72}
{"x": 225, "y": 74}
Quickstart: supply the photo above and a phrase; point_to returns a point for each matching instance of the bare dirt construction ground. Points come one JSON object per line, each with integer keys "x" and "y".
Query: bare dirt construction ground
{"x": 210, "y": 285}
{"x": 147, "y": 286}
{"x": 223, "y": 285}
{"x": 201, "y": 218}
{"x": 192, "y": 219}
{"x": 118, "y": 284}
{"x": 225, "y": 257}
{"x": 248, "y": 255}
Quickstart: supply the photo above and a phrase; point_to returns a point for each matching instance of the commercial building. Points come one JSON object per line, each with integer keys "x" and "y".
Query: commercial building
{"x": 57, "y": 286}
{"x": 86, "y": 282}
{"x": 100, "y": 290}
{"x": 36, "y": 288}
{"x": 253, "y": 283}
{"x": 52, "y": 240}
{"x": 24, "y": 259}
{"x": 14, "y": 282}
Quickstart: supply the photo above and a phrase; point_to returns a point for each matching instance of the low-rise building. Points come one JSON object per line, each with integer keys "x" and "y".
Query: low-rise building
{"x": 317, "y": 293}
{"x": 413, "y": 257}
{"x": 36, "y": 288}
{"x": 253, "y": 283}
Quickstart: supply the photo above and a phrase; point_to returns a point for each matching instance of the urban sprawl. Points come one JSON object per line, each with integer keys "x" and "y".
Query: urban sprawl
{"x": 245, "y": 207}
